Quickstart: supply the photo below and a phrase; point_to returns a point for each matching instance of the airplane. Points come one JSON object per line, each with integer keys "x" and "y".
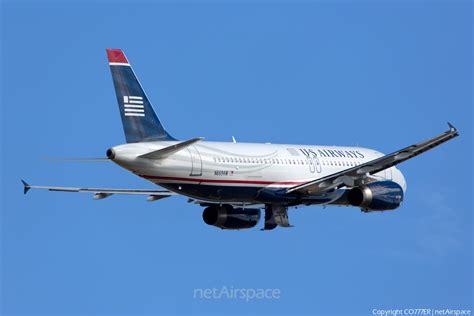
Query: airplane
{"x": 234, "y": 181}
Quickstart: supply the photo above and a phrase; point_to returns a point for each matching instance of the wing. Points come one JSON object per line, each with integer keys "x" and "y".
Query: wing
{"x": 102, "y": 193}
{"x": 350, "y": 177}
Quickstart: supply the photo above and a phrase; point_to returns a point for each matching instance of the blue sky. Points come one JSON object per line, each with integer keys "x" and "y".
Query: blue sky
{"x": 381, "y": 75}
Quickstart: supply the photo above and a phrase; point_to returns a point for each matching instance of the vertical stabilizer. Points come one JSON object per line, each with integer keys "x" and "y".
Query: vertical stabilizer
{"x": 140, "y": 122}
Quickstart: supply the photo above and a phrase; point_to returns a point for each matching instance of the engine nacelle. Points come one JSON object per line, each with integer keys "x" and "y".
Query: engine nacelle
{"x": 377, "y": 196}
{"x": 227, "y": 217}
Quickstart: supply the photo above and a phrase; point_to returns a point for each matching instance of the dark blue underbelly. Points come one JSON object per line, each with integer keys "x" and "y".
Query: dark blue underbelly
{"x": 247, "y": 194}
{"x": 215, "y": 193}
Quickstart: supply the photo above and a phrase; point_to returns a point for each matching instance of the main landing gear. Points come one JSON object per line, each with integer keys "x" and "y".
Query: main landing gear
{"x": 276, "y": 215}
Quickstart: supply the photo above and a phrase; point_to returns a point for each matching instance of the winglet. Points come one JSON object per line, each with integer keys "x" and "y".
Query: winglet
{"x": 116, "y": 55}
{"x": 452, "y": 128}
{"x": 26, "y": 186}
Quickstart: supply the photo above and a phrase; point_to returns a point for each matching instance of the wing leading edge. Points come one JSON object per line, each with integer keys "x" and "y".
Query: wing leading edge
{"x": 351, "y": 176}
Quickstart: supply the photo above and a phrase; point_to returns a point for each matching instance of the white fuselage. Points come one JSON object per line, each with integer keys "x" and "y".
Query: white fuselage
{"x": 220, "y": 171}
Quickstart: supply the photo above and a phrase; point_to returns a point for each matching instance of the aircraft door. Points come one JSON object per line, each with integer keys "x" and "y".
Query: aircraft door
{"x": 314, "y": 164}
{"x": 196, "y": 161}
{"x": 317, "y": 163}
{"x": 312, "y": 167}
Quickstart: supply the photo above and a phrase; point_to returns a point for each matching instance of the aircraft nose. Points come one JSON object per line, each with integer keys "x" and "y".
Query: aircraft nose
{"x": 399, "y": 178}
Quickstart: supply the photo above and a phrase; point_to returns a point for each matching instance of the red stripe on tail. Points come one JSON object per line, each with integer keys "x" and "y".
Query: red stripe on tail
{"x": 116, "y": 55}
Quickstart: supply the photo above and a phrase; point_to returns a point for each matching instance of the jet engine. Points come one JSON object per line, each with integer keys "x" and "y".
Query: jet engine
{"x": 376, "y": 196}
{"x": 227, "y": 217}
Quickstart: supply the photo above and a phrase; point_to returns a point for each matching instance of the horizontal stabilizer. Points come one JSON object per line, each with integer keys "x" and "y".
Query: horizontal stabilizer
{"x": 167, "y": 151}
{"x": 75, "y": 159}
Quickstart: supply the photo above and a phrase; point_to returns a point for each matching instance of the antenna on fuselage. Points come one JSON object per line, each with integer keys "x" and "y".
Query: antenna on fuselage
{"x": 233, "y": 139}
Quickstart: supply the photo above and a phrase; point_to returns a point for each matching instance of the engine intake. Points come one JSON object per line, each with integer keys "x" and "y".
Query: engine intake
{"x": 377, "y": 196}
{"x": 227, "y": 217}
